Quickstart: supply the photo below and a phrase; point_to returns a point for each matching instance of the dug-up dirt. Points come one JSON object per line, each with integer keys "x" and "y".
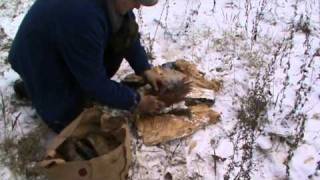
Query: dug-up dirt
{"x": 184, "y": 83}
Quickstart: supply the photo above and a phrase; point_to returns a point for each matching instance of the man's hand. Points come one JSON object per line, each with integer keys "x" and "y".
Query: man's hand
{"x": 149, "y": 104}
{"x": 154, "y": 79}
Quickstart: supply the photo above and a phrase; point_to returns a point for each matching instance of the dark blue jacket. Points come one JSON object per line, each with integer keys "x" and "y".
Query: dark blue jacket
{"x": 59, "y": 53}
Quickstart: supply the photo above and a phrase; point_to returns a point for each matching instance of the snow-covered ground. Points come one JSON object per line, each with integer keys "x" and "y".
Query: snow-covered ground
{"x": 268, "y": 55}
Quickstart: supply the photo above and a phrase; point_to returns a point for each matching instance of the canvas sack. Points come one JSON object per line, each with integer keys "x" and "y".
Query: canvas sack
{"x": 112, "y": 162}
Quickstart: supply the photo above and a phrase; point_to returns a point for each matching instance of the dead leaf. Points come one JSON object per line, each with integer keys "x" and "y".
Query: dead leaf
{"x": 193, "y": 144}
{"x": 168, "y": 176}
{"x": 308, "y": 160}
{"x": 316, "y": 116}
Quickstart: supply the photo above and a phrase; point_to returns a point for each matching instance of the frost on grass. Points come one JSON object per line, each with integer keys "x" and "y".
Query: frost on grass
{"x": 22, "y": 144}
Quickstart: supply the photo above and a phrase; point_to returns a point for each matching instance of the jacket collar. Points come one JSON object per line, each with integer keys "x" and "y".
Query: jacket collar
{"x": 114, "y": 18}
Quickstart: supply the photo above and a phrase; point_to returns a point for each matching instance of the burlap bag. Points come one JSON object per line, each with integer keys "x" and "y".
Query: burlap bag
{"x": 112, "y": 164}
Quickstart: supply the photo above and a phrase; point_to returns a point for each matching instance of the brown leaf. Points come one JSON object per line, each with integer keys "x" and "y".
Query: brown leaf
{"x": 192, "y": 145}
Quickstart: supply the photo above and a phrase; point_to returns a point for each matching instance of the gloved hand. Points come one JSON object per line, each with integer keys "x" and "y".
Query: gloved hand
{"x": 149, "y": 104}
{"x": 154, "y": 79}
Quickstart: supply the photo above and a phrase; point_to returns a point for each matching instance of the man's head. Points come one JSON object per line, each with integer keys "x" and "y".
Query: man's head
{"x": 148, "y": 2}
{"x": 123, "y": 6}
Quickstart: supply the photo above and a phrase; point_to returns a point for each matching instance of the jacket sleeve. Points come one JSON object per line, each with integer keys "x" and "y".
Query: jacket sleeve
{"x": 137, "y": 56}
{"x": 82, "y": 45}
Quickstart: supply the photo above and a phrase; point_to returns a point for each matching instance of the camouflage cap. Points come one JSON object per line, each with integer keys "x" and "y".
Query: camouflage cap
{"x": 148, "y": 2}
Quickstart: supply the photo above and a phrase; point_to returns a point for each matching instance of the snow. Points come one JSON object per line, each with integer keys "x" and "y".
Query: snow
{"x": 8, "y": 77}
{"x": 218, "y": 36}
{"x": 304, "y": 161}
{"x": 264, "y": 143}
